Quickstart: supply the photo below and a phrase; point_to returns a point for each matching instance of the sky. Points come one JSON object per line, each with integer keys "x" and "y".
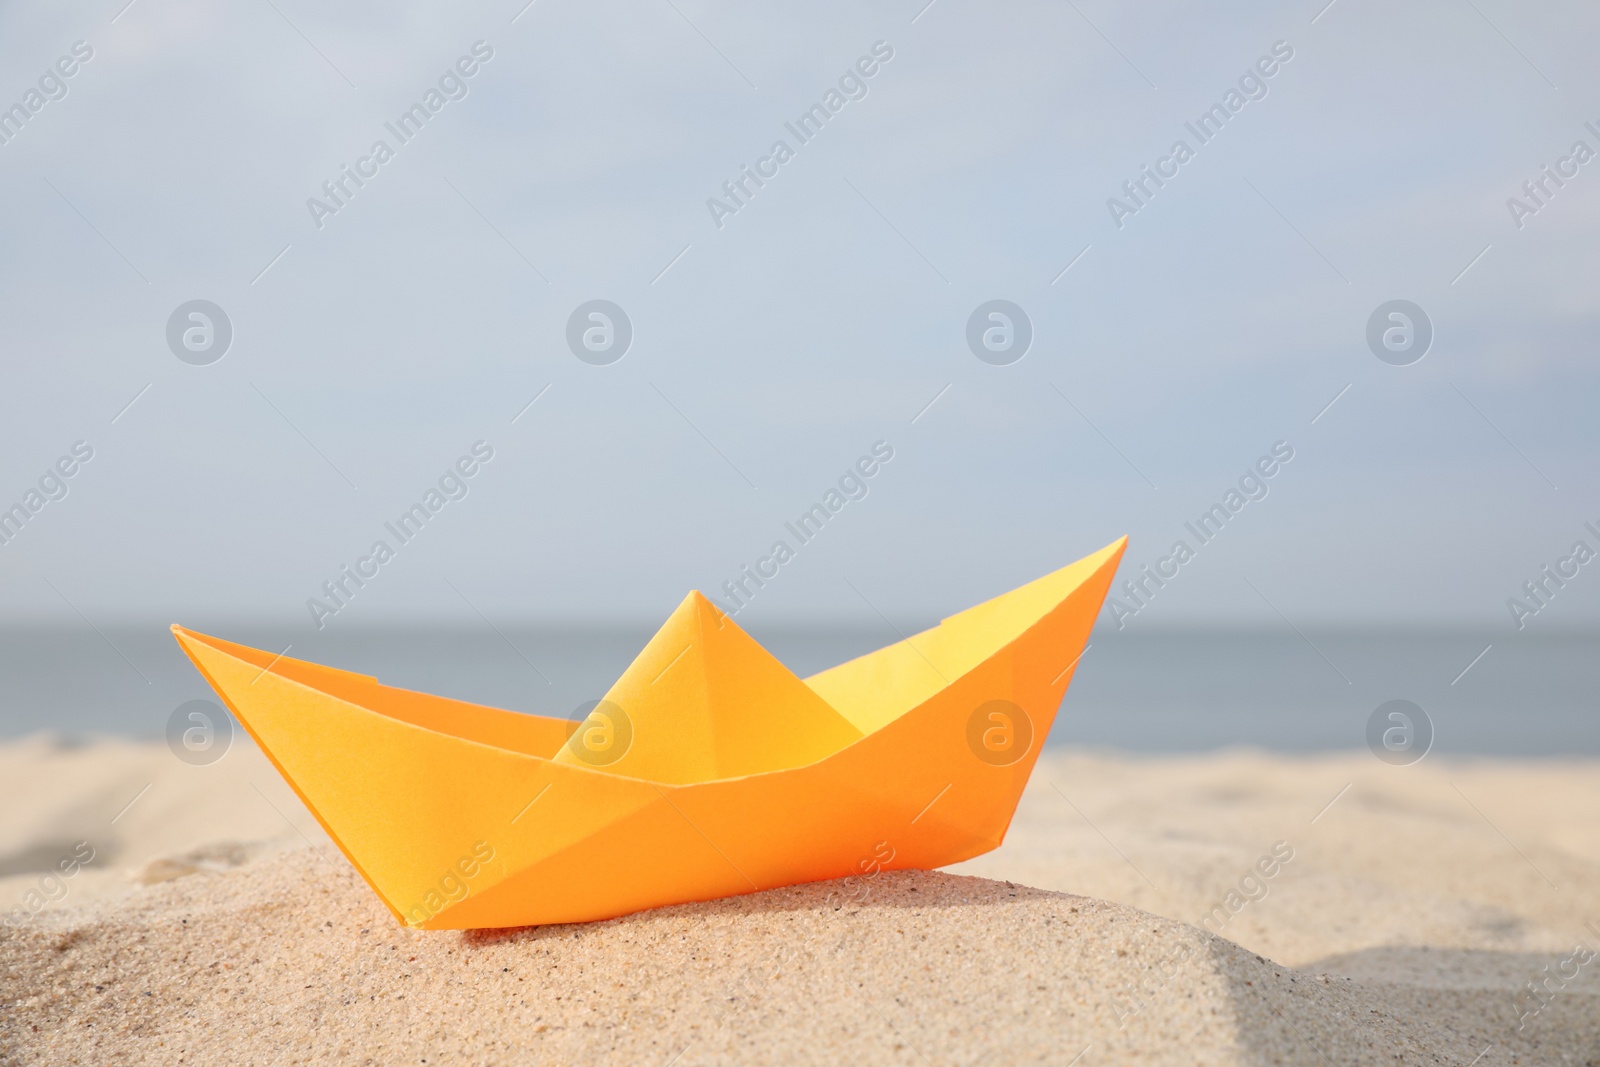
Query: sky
{"x": 772, "y": 348}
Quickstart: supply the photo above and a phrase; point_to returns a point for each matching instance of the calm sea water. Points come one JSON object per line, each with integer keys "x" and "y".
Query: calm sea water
{"x": 1530, "y": 694}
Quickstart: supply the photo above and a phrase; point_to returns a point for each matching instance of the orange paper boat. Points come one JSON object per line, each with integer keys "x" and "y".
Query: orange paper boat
{"x": 708, "y": 770}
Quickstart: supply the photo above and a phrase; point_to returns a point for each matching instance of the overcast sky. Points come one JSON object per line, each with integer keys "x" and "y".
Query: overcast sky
{"x": 768, "y": 354}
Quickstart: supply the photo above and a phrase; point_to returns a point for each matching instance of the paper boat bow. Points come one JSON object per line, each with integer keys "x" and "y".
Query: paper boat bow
{"x": 708, "y": 770}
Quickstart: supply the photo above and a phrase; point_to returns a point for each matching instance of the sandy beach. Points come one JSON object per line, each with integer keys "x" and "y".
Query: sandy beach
{"x": 1228, "y": 908}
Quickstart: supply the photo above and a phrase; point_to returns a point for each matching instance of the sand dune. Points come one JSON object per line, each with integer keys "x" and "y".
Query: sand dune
{"x": 293, "y": 959}
{"x": 220, "y": 927}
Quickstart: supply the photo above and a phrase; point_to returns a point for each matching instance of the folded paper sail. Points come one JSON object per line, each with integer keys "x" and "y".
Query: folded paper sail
{"x": 708, "y": 770}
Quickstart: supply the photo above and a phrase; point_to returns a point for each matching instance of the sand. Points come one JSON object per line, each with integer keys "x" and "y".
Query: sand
{"x": 217, "y": 925}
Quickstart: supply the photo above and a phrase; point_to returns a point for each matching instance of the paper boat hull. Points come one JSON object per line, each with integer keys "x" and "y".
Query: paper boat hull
{"x": 457, "y": 816}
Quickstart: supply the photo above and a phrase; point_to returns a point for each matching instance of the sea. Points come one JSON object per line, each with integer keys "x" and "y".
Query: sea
{"x": 1501, "y": 693}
